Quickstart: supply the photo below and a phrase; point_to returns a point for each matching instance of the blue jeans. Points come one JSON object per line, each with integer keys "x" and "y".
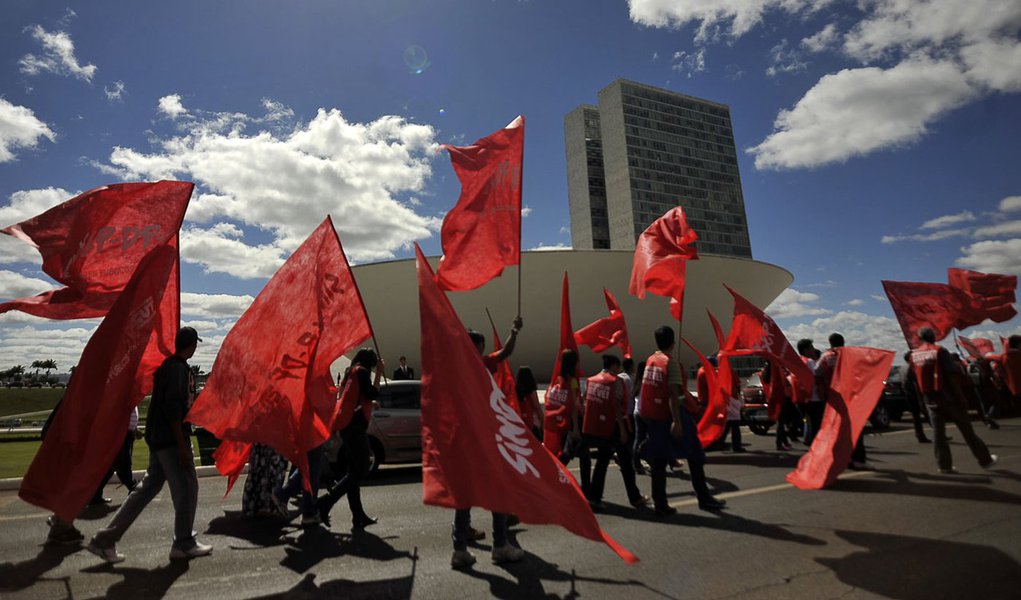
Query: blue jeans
{"x": 293, "y": 483}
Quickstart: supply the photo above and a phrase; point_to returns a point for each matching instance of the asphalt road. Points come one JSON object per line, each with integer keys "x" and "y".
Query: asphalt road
{"x": 901, "y": 531}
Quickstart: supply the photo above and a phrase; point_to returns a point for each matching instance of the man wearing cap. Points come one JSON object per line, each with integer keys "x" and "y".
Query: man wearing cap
{"x": 170, "y": 459}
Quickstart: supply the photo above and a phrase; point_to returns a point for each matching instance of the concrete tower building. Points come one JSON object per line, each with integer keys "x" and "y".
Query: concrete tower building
{"x": 643, "y": 151}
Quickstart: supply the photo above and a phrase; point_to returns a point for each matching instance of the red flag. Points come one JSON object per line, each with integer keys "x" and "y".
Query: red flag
{"x": 606, "y": 332}
{"x": 714, "y": 419}
{"x": 977, "y": 347}
{"x": 661, "y": 257}
{"x": 504, "y": 377}
{"x": 720, "y": 338}
{"x": 111, "y": 379}
{"x": 935, "y": 305}
{"x": 566, "y": 330}
{"x": 94, "y": 242}
{"x": 858, "y": 381}
{"x": 482, "y": 234}
{"x": 775, "y": 392}
{"x": 476, "y": 451}
{"x": 271, "y": 381}
{"x": 992, "y": 294}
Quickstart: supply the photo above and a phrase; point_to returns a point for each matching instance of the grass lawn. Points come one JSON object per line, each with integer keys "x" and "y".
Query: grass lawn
{"x": 16, "y": 401}
{"x": 15, "y": 456}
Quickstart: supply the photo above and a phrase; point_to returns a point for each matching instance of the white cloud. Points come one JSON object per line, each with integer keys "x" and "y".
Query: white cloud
{"x": 1010, "y": 204}
{"x": 546, "y": 247}
{"x": 878, "y": 297}
{"x": 946, "y": 220}
{"x": 285, "y": 183}
{"x": 171, "y": 106}
{"x": 855, "y": 302}
{"x": 858, "y": 329}
{"x": 999, "y": 230}
{"x": 525, "y": 210}
{"x": 22, "y": 345}
{"x": 689, "y": 62}
{"x": 792, "y": 303}
{"x": 24, "y": 205}
{"x": 14, "y": 285}
{"x": 115, "y": 93}
{"x": 784, "y": 59}
{"x": 19, "y": 128}
{"x": 943, "y": 234}
{"x": 715, "y": 18}
{"x": 57, "y": 56}
{"x": 821, "y": 40}
{"x": 993, "y": 256}
{"x": 214, "y": 306}
{"x": 857, "y": 111}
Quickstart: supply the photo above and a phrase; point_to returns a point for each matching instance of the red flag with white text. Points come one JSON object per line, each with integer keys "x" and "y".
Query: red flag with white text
{"x": 991, "y": 293}
{"x": 661, "y": 257}
{"x": 977, "y": 347}
{"x": 271, "y": 382}
{"x": 608, "y": 331}
{"x": 937, "y": 305}
{"x": 94, "y": 242}
{"x": 482, "y": 233}
{"x": 858, "y": 381}
{"x": 476, "y": 450}
{"x": 111, "y": 379}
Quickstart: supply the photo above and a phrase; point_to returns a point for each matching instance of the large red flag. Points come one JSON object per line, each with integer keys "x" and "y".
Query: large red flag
{"x": 566, "y": 330}
{"x": 504, "y": 377}
{"x": 476, "y": 451}
{"x": 714, "y": 419}
{"x": 606, "y": 332}
{"x": 858, "y": 381}
{"x": 111, "y": 379}
{"x": 482, "y": 234}
{"x": 936, "y": 305}
{"x": 94, "y": 242}
{"x": 271, "y": 382}
{"x": 661, "y": 257}
{"x": 977, "y": 347}
{"x": 992, "y": 294}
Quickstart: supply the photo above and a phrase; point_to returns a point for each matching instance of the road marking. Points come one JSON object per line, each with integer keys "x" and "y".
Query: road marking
{"x": 765, "y": 489}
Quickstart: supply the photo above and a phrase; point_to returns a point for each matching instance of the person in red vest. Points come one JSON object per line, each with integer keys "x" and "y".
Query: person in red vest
{"x": 562, "y": 420}
{"x": 934, "y": 370}
{"x": 915, "y": 404}
{"x": 824, "y": 378}
{"x": 1010, "y": 365}
{"x": 606, "y": 428}
{"x": 503, "y": 549}
{"x": 667, "y": 410}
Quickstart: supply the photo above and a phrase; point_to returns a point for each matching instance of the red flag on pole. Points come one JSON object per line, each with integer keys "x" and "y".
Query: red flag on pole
{"x": 606, "y": 332}
{"x": 992, "y": 294}
{"x": 111, "y": 379}
{"x": 858, "y": 381}
{"x": 661, "y": 257}
{"x": 566, "y": 329}
{"x": 977, "y": 347}
{"x": 504, "y": 377}
{"x": 476, "y": 451}
{"x": 935, "y": 305}
{"x": 720, "y": 338}
{"x": 271, "y": 382}
{"x": 482, "y": 234}
{"x": 714, "y": 419}
{"x": 94, "y": 242}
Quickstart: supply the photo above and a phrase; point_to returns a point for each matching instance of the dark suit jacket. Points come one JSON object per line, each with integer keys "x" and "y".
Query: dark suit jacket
{"x": 407, "y": 373}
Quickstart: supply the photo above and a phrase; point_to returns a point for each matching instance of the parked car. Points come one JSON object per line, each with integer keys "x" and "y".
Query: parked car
{"x": 395, "y": 433}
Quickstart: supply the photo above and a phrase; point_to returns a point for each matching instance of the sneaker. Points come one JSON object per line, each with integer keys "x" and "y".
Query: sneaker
{"x": 462, "y": 559}
{"x": 311, "y": 520}
{"x": 476, "y": 534}
{"x": 947, "y": 471}
{"x": 596, "y": 505}
{"x": 993, "y": 459}
{"x": 100, "y": 500}
{"x": 199, "y": 549}
{"x": 324, "y": 515}
{"x": 640, "y": 501}
{"x": 665, "y": 511}
{"x": 507, "y": 553}
{"x": 64, "y": 535}
{"x": 109, "y": 553}
{"x": 711, "y": 503}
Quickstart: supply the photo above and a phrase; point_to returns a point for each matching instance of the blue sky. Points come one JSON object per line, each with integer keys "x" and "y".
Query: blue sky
{"x": 878, "y": 139}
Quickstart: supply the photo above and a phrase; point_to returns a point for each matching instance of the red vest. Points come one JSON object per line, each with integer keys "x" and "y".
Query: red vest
{"x": 559, "y": 405}
{"x": 655, "y": 399}
{"x": 601, "y": 405}
{"x": 927, "y": 368}
{"x": 1011, "y": 362}
{"x": 702, "y": 385}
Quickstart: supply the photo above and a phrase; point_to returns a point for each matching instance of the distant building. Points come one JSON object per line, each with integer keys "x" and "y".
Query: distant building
{"x": 644, "y": 150}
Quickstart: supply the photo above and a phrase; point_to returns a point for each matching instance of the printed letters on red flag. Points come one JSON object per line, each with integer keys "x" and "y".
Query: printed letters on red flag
{"x": 858, "y": 381}
{"x": 482, "y": 234}
{"x": 271, "y": 382}
{"x": 476, "y": 451}
{"x": 94, "y": 242}
{"x": 88, "y": 429}
{"x": 993, "y": 295}
{"x": 936, "y": 305}
{"x": 607, "y": 332}
{"x": 661, "y": 257}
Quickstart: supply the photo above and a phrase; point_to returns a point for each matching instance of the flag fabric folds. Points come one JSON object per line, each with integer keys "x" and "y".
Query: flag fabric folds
{"x": 504, "y": 377}
{"x": 992, "y": 295}
{"x": 858, "y": 381}
{"x": 476, "y": 451}
{"x": 661, "y": 257}
{"x": 977, "y": 347}
{"x": 606, "y": 332}
{"x": 567, "y": 339}
{"x": 271, "y": 382}
{"x": 937, "y": 305}
{"x": 482, "y": 233}
{"x": 111, "y": 379}
{"x": 94, "y": 242}
{"x": 721, "y": 339}
{"x": 714, "y": 419}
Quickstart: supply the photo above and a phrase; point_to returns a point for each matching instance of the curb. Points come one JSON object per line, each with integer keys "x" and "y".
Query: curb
{"x": 14, "y": 483}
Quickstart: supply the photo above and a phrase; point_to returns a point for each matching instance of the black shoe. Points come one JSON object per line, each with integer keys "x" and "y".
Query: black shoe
{"x": 363, "y": 521}
{"x": 665, "y": 511}
{"x": 100, "y": 500}
{"x": 924, "y": 440}
{"x": 710, "y": 503}
{"x": 596, "y": 505}
{"x": 513, "y": 520}
{"x": 324, "y": 515}
{"x": 740, "y": 449}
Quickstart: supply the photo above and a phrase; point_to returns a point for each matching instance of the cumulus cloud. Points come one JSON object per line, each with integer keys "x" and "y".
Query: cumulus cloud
{"x": 14, "y": 285}
{"x": 993, "y": 256}
{"x": 19, "y": 128}
{"x": 943, "y": 234}
{"x": 171, "y": 106}
{"x": 546, "y": 247}
{"x": 857, "y": 111}
{"x": 214, "y": 306}
{"x": 792, "y": 303}
{"x": 1010, "y": 204}
{"x": 57, "y": 56}
{"x": 855, "y": 302}
{"x": 22, "y": 345}
{"x": 821, "y": 40}
{"x": 285, "y": 182}
{"x": 115, "y": 93}
{"x": 715, "y": 19}
{"x": 785, "y": 59}
{"x": 946, "y": 220}
{"x": 858, "y": 329}
{"x": 999, "y": 230}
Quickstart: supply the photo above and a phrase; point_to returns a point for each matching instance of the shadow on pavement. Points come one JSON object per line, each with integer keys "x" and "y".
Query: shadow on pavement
{"x": 757, "y": 458}
{"x": 911, "y": 484}
{"x": 96, "y": 512}
{"x": 18, "y": 576}
{"x": 394, "y": 476}
{"x": 909, "y": 568}
{"x": 398, "y": 588}
{"x": 531, "y": 571}
{"x": 141, "y": 583}
{"x": 315, "y": 544}
{"x": 261, "y": 533}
